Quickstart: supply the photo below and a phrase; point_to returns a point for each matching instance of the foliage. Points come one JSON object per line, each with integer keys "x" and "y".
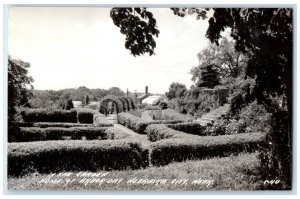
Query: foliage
{"x": 166, "y": 151}
{"x": 85, "y": 100}
{"x": 29, "y": 134}
{"x": 103, "y": 104}
{"x": 157, "y": 132}
{"x": 176, "y": 90}
{"x": 139, "y": 26}
{"x": 209, "y": 76}
{"x": 116, "y": 91}
{"x": 114, "y": 133}
{"x": 85, "y": 116}
{"x": 74, "y": 155}
{"x": 65, "y": 102}
{"x": 194, "y": 128}
{"x": 251, "y": 119}
{"x": 139, "y": 125}
{"x": 48, "y": 115}
{"x": 228, "y": 61}
{"x": 18, "y": 83}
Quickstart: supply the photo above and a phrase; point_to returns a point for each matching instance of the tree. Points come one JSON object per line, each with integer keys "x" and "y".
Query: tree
{"x": 65, "y": 102}
{"x": 228, "y": 61}
{"x": 266, "y": 34}
{"x": 115, "y": 91}
{"x": 19, "y": 83}
{"x": 85, "y": 100}
{"x": 209, "y": 77}
{"x": 176, "y": 90}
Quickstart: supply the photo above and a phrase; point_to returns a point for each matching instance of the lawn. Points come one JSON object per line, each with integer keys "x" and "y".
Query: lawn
{"x": 228, "y": 173}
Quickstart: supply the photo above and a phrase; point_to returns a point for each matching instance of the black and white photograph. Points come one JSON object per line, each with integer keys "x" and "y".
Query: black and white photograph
{"x": 149, "y": 98}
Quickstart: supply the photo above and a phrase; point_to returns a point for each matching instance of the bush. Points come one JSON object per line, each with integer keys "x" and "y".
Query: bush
{"x": 116, "y": 133}
{"x": 171, "y": 114}
{"x": 47, "y": 115}
{"x": 85, "y": 116}
{"x": 132, "y": 122}
{"x": 78, "y": 155}
{"x": 27, "y": 134}
{"x": 157, "y": 132}
{"x": 166, "y": 151}
{"x": 190, "y": 128}
{"x": 139, "y": 125}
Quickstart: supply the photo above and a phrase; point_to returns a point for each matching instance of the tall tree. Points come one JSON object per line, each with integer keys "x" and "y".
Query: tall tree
{"x": 19, "y": 83}
{"x": 209, "y": 76}
{"x": 176, "y": 90}
{"x": 227, "y": 60}
{"x": 116, "y": 91}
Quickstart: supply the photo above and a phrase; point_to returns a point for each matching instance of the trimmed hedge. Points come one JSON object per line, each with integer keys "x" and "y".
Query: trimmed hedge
{"x": 48, "y": 115}
{"x": 116, "y": 133}
{"x": 166, "y": 151}
{"x": 27, "y": 134}
{"x": 157, "y": 132}
{"x": 190, "y": 128}
{"x": 75, "y": 155}
{"x": 59, "y": 124}
{"x": 110, "y": 98}
{"x": 137, "y": 124}
{"x": 171, "y": 114}
{"x": 85, "y": 116}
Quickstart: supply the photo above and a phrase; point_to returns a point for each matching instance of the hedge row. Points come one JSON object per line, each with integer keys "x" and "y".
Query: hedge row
{"x": 157, "y": 132}
{"x": 50, "y": 115}
{"x": 137, "y": 124}
{"x": 47, "y": 115}
{"x": 171, "y": 114}
{"x": 169, "y": 150}
{"x": 75, "y": 155}
{"x": 60, "y": 124}
{"x": 116, "y": 134}
{"x": 189, "y": 127}
{"x": 27, "y": 134}
{"x": 85, "y": 116}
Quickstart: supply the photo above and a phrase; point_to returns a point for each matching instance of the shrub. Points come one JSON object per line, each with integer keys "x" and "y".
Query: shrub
{"x": 100, "y": 119}
{"x": 48, "y": 115}
{"x": 116, "y": 133}
{"x": 78, "y": 155}
{"x": 110, "y": 98}
{"x": 59, "y": 124}
{"x": 27, "y": 134}
{"x": 171, "y": 114}
{"x": 85, "y": 116}
{"x": 166, "y": 151}
{"x": 132, "y": 122}
{"x": 157, "y": 132}
{"x": 190, "y": 128}
{"x": 139, "y": 125}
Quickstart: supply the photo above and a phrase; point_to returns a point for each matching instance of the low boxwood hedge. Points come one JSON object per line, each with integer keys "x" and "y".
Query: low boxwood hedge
{"x": 114, "y": 133}
{"x": 85, "y": 116}
{"x": 165, "y": 151}
{"x": 27, "y": 134}
{"x": 189, "y": 127}
{"x": 75, "y": 155}
{"x": 138, "y": 125}
{"x": 157, "y": 132}
{"x": 49, "y": 115}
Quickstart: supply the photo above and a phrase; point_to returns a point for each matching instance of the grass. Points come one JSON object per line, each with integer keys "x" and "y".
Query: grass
{"x": 228, "y": 173}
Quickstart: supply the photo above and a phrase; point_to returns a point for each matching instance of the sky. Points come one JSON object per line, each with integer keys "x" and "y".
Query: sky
{"x": 71, "y": 47}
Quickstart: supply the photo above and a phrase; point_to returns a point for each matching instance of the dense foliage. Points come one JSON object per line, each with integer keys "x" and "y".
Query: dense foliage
{"x": 19, "y": 83}
{"x": 266, "y": 35}
{"x": 75, "y": 155}
{"x": 165, "y": 151}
